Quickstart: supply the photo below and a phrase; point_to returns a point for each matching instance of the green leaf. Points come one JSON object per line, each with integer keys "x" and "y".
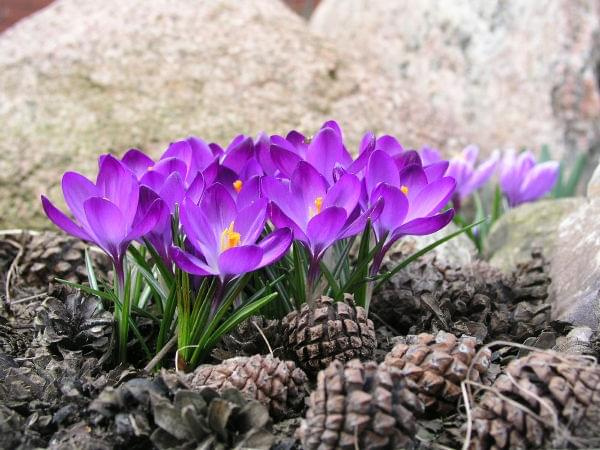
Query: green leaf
{"x": 91, "y": 273}
{"x": 140, "y": 263}
{"x": 335, "y": 289}
{"x": 382, "y": 278}
{"x": 570, "y": 186}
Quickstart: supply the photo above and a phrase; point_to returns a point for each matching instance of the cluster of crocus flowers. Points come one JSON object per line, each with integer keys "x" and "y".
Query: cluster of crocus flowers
{"x": 521, "y": 178}
{"x": 225, "y": 199}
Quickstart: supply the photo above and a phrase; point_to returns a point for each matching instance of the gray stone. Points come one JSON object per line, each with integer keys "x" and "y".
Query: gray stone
{"x": 508, "y": 72}
{"x": 575, "y": 267}
{"x": 530, "y": 225}
{"x": 83, "y": 77}
{"x": 459, "y": 251}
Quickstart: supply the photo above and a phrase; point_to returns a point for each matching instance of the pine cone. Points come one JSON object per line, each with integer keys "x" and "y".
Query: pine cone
{"x": 247, "y": 340}
{"x": 12, "y": 342}
{"x": 51, "y": 255}
{"x": 329, "y": 330}
{"x": 437, "y": 365}
{"x": 73, "y": 320}
{"x": 275, "y": 383}
{"x": 360, "y": 405}
{"x": 161, "y": 413}
{"x": 543, "y": 400}
{"x": 477, "y": 300}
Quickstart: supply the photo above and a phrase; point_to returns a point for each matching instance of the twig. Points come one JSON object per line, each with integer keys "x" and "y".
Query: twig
{"x": 161, "y": 354}
{"x": 26, "y": 299}
{"x": 264, "y": 337}
{"x": 12, "y": 268}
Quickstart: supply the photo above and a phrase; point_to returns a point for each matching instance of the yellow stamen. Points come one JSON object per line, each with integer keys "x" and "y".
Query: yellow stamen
{"x": 229, "y": 238}
{"x": 237, "y": 185}
{"x": 404, "y": 189}
{"x": 318, "y": 204}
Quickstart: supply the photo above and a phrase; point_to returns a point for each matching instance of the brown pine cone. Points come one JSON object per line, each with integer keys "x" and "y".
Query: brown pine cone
{"x": 50, "y": 255}
{"x": 328, "y": 330}
{"x": 275, "y": 383}
{"x": 360, "y": 405}
{"x": 12, "y": 342}
{"x": 437, "y": 365}
{"x": 477, "y": 300}
{"x": 543, "y": 400}
{"x": 70, "y": 319}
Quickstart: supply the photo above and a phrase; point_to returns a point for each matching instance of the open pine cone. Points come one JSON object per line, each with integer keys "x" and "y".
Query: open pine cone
{"x": 437, "y": 365}
{"x": 328, "y": 330}
{"x": 360, "y": 405}
{"x": 277, "y": 384}
{"x": 50, "y": 255}
{"x": 477, "y": 299}
{"x": 73, "y": 320}
{"x": 543, "y": 400}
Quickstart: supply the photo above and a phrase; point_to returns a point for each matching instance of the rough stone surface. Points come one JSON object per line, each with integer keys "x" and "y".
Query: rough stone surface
{"x": 531, "y": 225}
{"x": 456, "y": 252}
{"x": 575, "y": 267}
{"x": 507, "y": 72}
{"x": 83, "y": 77}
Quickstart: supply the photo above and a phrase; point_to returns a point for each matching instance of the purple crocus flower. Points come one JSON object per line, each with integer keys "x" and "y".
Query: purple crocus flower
{"x": 225, "y": 236}
{"x": 411, "y": 204}
{"x": 319, "y": 214}
{"x": 105, "y": 212}
{"x": 325, "y": 152}
{"x": 523, "y": 180}
{"x": 463, "y": 169}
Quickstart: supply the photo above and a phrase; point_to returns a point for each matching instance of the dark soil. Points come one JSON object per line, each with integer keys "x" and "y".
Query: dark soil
{"x": 60, "y": 389}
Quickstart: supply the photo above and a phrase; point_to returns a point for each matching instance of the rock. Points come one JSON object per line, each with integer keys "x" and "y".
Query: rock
{"x": 456, "y": 252}
{"x": 575, "y": 267}
{"x": 520, "y": 230}
{"x": 83, "y": 77}
{"x": 507, "y": 72}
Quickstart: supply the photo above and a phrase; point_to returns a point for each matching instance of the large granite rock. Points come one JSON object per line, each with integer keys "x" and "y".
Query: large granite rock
{"x": 520, "y": 230}
{"x": 575, "y": 263}
{"x": 85, "y": 76}
{"x": 507, "y": 72}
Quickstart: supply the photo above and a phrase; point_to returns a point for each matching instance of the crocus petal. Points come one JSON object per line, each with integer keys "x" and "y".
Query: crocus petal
{"x": 200, "y": 232}
{"x": 425, "y": 225}
{"x": 324, "y": 151}
{"x": 430, "y": 155}
{"x": 158, "y": 211}
{"x": 436, "y": 170}
{"x": 196, "y": 189}
{"x": 470, "y": 154}
{"x": 389, "y": 144}
{"x": 239, "y": 260}
{"x": 539, "y": 181}
{"x": 367, "y": 145}
{"x": 297, "y": 140}
{"x": 167, "y": 166}
{"x": 345, "y": 193}
{"x": 275, "y": 245}
{"x": 249, "y": 193}
{"x": 250, "y": 221}
{"x": 431, "y": 198}
{"x": 406, "y": 159}
{"x": 279, "y": 193}
{"x": 239, "y": 154}
{"x": 263, "y": 153}
{"x": 334, "y": 126}
{"x": 395, "y": 208}
{"x": 323, "y": 229}
{"x": 381, "y": 169}
{"x": 413, "y": 177}
{"x": 76, "y": 190}
{"x": 201, "y": 156}
{"x": 62, "y": 221}
{"x": 191, "y": 264}
{"x": 308, "y": 184}
{"x": 107, "y": 223}
{"x": 281, "y": 220}
{"x": 218, "y": 206}
{"x": 119, "y": 185}
{"x": 358, "y": 225}
{"x": 480, "y": 176}
{"x": 285, "y": 160}
{"x": 137, "y": 161}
